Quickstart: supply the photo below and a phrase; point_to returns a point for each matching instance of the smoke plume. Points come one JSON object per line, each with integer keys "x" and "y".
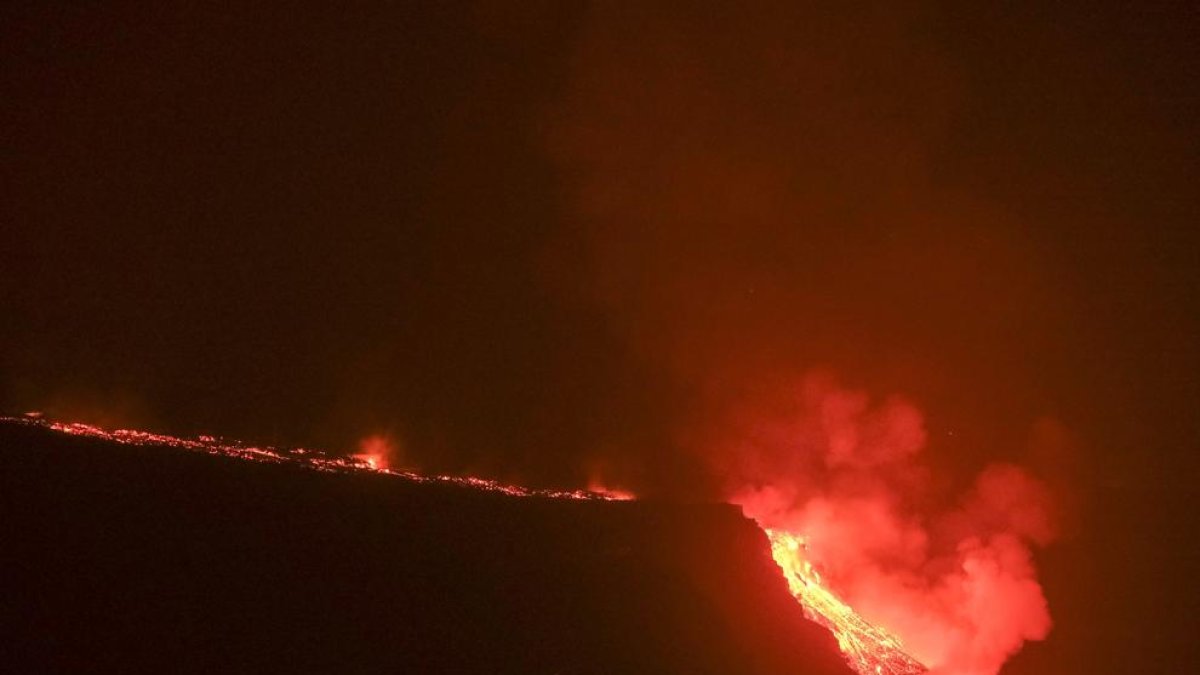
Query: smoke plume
{"x": 955, "y": 581}
{"x": 758, "y": 193}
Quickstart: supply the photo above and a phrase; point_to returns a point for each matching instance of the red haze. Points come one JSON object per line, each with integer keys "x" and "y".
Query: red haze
{"x": 956, "y": 583}
{"x": 380, "y": 451}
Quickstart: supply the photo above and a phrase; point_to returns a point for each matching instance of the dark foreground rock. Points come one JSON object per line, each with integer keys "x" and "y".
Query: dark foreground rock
{"x": 137, "y": 559}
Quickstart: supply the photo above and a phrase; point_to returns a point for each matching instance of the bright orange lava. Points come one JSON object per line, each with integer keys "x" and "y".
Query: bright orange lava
{"x": 869, "y": 649}
{"x": 313, "y": 459}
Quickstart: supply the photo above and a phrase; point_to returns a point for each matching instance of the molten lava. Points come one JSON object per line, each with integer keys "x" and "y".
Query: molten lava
{"x": 869, "y": 649}
{"x": 312, "y": 459}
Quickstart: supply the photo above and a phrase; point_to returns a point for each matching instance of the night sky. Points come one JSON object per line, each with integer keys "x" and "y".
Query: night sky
{"x": 537, "y": 240}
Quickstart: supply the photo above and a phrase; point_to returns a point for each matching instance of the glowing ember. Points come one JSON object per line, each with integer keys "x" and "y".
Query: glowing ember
{"x": 312, "y": 459}
{"x": 870, "y": 649}
{"x": 376, "y": 451}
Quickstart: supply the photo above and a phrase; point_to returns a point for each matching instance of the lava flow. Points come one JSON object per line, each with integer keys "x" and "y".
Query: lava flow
{"x": 312, "y": 459}
{"x": 869, "y": 649}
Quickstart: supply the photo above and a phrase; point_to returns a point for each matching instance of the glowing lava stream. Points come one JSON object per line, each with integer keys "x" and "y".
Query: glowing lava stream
{"x": 312, "y": 459}
{"x": 869, "y": 649}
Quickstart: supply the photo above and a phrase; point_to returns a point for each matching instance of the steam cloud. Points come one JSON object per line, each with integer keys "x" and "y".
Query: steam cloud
{"x": 957, "y": 584}
{"x": 755, "y": 194}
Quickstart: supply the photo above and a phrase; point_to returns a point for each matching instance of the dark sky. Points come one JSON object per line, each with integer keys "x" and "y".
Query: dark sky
{"x": 534, "y": 238}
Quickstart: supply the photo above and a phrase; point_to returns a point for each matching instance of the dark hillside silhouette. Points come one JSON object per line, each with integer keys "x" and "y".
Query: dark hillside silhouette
{"x": 145, "y": 559}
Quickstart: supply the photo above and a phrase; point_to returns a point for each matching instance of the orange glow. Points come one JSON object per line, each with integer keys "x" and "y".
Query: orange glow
{"x": 869, "y": 649}
{"x": 377, "y": 451}
{"x": 615, "y": 494}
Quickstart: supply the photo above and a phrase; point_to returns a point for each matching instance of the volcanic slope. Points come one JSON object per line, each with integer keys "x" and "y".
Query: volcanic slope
{"x": 140, "y": 558}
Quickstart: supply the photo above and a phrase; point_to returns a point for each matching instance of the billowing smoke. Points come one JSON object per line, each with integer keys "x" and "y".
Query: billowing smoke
{"x": 955, "y": 580}
{"x": 759, "y": 194}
